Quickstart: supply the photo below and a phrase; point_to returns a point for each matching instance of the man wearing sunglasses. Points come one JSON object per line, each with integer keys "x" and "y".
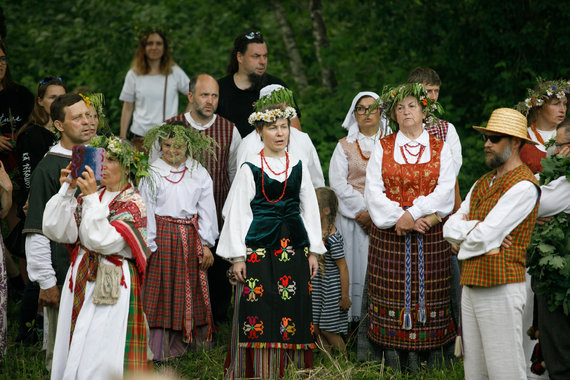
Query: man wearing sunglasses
{"x": 239, "y": 90}
{"x": 502, "y": 202}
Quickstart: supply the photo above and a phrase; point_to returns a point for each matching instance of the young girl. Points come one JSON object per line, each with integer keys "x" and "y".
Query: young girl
{"x": 330, "y": 306}
{"x": 181, "y": 228}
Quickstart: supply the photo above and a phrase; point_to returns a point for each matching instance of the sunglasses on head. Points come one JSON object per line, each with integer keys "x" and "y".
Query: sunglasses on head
{"x": 46, "y": 80}
{"x": 494, "y": 139}
{"x": 252, "y": 35}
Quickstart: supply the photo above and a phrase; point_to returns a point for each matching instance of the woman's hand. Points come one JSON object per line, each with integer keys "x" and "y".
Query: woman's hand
{"x": 422, "y": 225}
{"x": 63, "y": 177}
{"x": 405, "y": 224}
{"x": 208, "y": 258}
{"x": 363, "y": 219}
{"x": 239, "y": 271}
{"x": 87, "y": 182}
{"x": 345, "y": 303}
{"x": 5, "y": 144}
{"x": 313, "y": 265}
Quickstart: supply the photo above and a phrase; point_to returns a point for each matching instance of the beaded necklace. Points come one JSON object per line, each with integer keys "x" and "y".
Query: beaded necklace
{"x": 418, "y": 155}
{"x": 271, "y": 170}
{"x": 178, "y": 172}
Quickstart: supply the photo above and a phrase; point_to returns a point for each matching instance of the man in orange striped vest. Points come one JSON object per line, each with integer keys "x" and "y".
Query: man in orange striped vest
{"x": 502, "y": 202}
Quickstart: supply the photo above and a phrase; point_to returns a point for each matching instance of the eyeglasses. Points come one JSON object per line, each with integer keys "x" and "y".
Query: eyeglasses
{"x": 363, "y": 110}
{"x": 4, "y": 59}
{"x": 252, "y": 35}
{"x": 561, "y": 144}
{"x": 46, "y": 80}
{"x": 494, "y": 139}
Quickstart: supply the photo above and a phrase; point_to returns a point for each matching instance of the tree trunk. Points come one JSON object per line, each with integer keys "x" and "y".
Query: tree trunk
{"x": 290, "y": 44}
{"x": 321, "y": 41}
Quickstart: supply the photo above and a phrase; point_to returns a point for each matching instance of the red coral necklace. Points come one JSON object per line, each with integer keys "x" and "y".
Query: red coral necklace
{"x": 271, "y": 170}
{"x": 417, "y": 155}
{"x": 178, "y": 172}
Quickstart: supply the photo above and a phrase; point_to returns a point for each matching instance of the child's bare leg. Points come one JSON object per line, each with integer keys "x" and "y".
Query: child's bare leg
{"x": 335, "y": 340}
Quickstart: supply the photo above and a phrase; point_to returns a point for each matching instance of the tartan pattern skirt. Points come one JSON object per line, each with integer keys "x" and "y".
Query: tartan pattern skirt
{"x": 386, "y": 290}
{"x": 173, "y": 272}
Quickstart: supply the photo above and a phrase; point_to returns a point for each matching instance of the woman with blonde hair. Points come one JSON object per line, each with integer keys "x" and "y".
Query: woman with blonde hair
{"x": 150, "y": 91}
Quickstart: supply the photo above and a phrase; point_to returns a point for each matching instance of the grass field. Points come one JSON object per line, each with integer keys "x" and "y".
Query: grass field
{"x": 28, "y": 363}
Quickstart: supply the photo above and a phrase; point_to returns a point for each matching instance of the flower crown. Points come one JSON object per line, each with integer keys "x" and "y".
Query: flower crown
{"x": 544, "y": 91}
{"x": 129, "y": 158}
{"x": 392, "y": 96}
{"x": 198, "y": 145}
{"x": 279, "y": 96}
{"x": 272, "y": 115}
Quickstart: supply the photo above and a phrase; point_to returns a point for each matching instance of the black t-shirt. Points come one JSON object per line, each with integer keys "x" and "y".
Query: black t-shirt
{"x": 16, "y": 105}
{"x": 32, "y": 145}
{"x": 236, "y": 105}
{"x": 18, "y": 101}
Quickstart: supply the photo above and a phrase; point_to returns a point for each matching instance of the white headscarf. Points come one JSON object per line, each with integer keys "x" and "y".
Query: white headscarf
{"x": 350, "y": 122}
{"x": 267, "y": 90}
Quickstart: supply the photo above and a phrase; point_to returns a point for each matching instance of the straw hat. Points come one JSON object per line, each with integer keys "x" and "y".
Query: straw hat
{"x": 507, "y": 121}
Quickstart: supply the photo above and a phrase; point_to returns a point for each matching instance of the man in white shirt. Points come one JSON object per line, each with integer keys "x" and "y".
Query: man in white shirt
{"x": 553, "y": 325}
{"x": 203, "y": 103}
{"x": 502, "y": 202}
{"x": 47, "y": 261}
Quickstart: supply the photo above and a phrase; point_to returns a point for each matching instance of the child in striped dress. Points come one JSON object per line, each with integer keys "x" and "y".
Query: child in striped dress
{"x": 331, "y": 299}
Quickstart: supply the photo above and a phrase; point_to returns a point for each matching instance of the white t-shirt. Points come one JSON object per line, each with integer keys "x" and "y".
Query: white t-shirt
{"x": 147, "y": 92}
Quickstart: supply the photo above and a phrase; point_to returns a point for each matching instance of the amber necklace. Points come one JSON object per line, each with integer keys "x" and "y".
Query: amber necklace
{"x": 538, "y": 136}
{"x": 271, "y": 170}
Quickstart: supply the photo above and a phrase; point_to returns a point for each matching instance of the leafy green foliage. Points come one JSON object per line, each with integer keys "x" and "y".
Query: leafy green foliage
{"x": 549, "y": 264}
{"x": 486, "y": 52}
{"x": 554, "y": 167}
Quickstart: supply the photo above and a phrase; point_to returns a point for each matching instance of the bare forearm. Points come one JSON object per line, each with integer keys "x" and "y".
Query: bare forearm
{"x": 344, "y": 277}
{"x": 126, "y": 116}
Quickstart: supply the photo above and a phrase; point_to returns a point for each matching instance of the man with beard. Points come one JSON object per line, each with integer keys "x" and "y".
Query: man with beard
{"x": 48, "y": 261}
{"x": 203, "y": 102}
{"x": 502, "y": 202}
{"x": 240, "y": 89}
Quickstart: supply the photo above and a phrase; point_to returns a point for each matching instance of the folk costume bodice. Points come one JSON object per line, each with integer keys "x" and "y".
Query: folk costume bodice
{"x": 270, "y": 218}
{"x": 406, "y": 182}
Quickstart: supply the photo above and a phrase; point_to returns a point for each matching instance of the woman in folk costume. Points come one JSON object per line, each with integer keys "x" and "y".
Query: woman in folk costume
{"x": 409, "y": 187}
{"x": 271, "y": 234}
{"x": 181, "y": 228}
{"x": 347, "y": 176}
{"x": 101, "y": 327}
{"x": 545, "y": 108}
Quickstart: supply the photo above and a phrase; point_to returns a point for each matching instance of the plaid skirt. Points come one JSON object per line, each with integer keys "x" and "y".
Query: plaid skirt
{"x": 175, "y": 292}
{"x": 387, "y": 294}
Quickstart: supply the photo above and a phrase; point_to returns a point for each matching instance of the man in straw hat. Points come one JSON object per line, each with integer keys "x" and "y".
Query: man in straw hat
{"x": 502, "y": 202}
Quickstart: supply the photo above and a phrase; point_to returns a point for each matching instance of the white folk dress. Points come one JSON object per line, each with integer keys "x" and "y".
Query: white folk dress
{"x": 97, "y": 349}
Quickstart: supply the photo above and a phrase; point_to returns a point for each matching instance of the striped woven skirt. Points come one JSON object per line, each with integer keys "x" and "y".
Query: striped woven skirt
{"x": 176, "y": 298}
{"x": 428, "y": 324}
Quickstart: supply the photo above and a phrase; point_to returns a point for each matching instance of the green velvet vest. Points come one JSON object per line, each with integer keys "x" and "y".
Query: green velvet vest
{"x": 271, "y": 220}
